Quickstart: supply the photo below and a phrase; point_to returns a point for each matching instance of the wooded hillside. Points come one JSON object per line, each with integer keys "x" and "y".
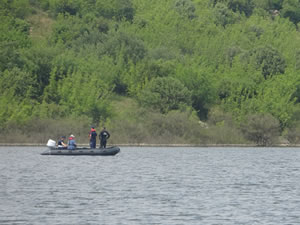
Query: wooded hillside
{"x": 152, "y": 71}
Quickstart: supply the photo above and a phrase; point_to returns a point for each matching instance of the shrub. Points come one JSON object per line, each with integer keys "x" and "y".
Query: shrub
{"x": 222, "y": 128}
{"x": 39, "y": 131}
{"x": 293, "y": 134}
{"x": 224, "y": 133}
{"x": 263, "y": 129}
{"x": 155, "y": 128}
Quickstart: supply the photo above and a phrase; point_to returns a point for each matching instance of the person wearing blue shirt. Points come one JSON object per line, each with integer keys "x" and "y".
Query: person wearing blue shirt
{"x": 72, "y": 143}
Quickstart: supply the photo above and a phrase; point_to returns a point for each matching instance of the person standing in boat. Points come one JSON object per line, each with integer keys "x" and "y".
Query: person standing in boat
{"x": 61, "y": 143}
{"x": 93, "y": 136}
{"x": 72, "y": 143}
{"x": 104, "y": 136}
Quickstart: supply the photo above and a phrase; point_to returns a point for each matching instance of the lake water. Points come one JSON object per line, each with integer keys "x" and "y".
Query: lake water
{"x": 147, "y": 186}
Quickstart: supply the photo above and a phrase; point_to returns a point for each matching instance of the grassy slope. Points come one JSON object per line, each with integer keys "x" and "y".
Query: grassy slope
{"x": 41, "y": 25}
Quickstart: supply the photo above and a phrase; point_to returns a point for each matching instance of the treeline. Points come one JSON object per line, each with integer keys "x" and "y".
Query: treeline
{"x": 233, "y": 64}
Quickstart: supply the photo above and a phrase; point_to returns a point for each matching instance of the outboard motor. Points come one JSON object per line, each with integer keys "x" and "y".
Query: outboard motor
{"x": 51, "y": 144}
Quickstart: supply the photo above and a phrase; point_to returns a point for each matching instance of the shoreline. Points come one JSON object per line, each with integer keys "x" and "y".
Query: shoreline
{"x": 157, "y": 145}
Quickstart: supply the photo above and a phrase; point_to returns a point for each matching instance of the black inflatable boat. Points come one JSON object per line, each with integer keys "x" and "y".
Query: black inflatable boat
{"x": 83, "y": 151}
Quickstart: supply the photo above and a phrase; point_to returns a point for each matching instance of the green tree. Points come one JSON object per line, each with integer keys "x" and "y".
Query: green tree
{"x": 273, "y": 96}
{"x": 275, "y": 4}
{"x": 19, "y": 84}
{"x": 115, "y": 9}
{"x": 143, "y": 71}
{"x": 130, "y": 47}
{"x": 223, "y": 15}
{"x": 13, "y": 37}
{"x": 200, "y": 84}
{"x": 124, "y": 9}
{"x": 268, "y": 59}
{"x": 83, "y": 94}
{"x": 17, "y": 8}
{"x": 291, "y": 10}
{"x": 242, "y": 6}
{"x": 185, "y": 8}
{"x": 38, "y": 61}
{"x": 165, "y": 94}
{"x": 71, "y": 7}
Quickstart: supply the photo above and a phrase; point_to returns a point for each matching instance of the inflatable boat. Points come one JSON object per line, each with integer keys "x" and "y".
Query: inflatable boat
{"x": 52, "y": 150}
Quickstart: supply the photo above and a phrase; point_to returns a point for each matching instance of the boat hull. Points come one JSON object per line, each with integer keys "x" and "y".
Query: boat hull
{"x": 83, "y": 151}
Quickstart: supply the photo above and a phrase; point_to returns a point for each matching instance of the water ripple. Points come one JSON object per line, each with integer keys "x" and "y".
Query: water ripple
{"x": 147, "y": 186}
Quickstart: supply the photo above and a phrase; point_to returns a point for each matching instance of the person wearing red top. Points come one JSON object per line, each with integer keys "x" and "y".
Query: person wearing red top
{"x": 93, "y": 136}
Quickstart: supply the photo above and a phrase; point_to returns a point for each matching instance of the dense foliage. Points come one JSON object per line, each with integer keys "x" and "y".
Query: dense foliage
{"x": 68, "y": 59}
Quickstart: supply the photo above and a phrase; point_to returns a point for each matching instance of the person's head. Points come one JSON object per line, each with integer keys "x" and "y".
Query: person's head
{"x": 63, "y": 137}
{"x": 72, "y": 137}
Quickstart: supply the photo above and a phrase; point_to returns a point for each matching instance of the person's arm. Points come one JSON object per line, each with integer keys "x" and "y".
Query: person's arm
{"x": 108, "y": 134}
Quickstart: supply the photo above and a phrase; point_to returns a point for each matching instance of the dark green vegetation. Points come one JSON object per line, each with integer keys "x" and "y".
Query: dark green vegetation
{"x": 152, "y": 71}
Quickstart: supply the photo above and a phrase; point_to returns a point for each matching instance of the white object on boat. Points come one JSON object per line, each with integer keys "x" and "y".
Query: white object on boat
{"x": 51, "y": 143}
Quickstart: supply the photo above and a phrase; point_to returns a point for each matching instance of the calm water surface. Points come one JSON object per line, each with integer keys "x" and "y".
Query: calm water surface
{"x": 146, "y": 186}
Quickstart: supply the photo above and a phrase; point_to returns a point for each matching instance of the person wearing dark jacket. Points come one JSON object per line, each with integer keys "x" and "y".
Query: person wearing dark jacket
{"x": 61, "y": 143}
{"x": 93, "y": 136}
{"x": 104, "y": 136}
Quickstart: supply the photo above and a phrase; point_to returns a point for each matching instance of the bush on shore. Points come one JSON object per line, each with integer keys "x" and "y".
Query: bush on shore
{"x": 263, "y": 129}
